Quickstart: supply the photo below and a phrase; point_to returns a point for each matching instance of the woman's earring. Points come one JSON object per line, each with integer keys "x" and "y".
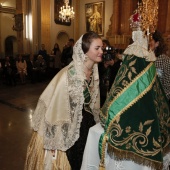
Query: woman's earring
{"x": 86, "y": 58}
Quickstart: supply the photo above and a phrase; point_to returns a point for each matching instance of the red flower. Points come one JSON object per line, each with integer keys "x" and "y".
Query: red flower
{"x": 136, "y": 17}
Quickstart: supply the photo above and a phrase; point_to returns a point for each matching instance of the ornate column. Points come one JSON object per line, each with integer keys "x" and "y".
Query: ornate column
{"x": 114, "y": 26}
{"x": 45, "y": 24}
{"x": 19, "y": 10}
{"x": 119, "y": 31}
{"x": 76, "y": 5}
{"x": 167, "y": 31}
{"x": 36, "y": 25}
{"x": 0, "y": 31}
{"x": 163, "y": 19}
{"x": 127, "y": 8}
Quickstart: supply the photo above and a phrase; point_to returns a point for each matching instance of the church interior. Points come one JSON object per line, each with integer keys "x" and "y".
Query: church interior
{"x": 27, "y": 24}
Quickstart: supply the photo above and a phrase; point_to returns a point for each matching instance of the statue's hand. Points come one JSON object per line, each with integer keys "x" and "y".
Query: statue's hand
{"x": 151, "y": 56}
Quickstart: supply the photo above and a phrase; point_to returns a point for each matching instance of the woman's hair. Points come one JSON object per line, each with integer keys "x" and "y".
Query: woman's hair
{"x": 161, "y": 49}
{"x": 87, "y": 40}
{"x": 58, "y": 48}
{"x": 20, "y": 58}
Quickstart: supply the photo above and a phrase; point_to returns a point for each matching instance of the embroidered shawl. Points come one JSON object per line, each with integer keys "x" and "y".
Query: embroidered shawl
{"x": 58, "y": 114}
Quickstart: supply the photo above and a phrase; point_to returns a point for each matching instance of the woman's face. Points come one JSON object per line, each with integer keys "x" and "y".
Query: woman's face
{"x": 153, "y": 44}
{"x": 96, "y": 50}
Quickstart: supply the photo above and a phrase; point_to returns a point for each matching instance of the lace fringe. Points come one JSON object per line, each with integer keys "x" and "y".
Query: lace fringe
{"x": 62, "y": 162}
{"x": 119, "y": 155}
{"x": 35, "y": 153}
{"x": 35, "y": 156}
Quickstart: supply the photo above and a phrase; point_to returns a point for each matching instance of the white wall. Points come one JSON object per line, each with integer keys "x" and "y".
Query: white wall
{"x": 56, "y": 29}
{"x": 108, "y": 13}
{"x": 7, "y": 22}
{"x": 9, "y": 3}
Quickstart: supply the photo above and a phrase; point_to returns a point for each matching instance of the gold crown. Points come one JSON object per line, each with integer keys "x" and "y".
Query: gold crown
{"x": 136, "y": 20}
{"x": 145, "y": 16}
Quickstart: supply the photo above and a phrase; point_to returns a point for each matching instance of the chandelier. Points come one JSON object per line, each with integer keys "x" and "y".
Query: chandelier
{"x": 66, "y": 12}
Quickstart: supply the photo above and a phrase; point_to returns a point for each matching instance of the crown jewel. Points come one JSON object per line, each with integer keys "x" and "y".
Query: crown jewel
{"x": 136, "y": 20}
{"x": 145, "y": 16}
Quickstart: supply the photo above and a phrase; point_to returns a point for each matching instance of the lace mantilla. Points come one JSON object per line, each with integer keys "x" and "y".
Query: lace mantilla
{"x": 63, "y": 134}
{"x": 139, "y": 47}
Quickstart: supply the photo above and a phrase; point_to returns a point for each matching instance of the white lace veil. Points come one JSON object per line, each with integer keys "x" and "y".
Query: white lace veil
{"x": 79, "y": 58}
{"x": 139, "y": 47}
{"x": 139, "y": 39}
{"x": 58, "y": 114}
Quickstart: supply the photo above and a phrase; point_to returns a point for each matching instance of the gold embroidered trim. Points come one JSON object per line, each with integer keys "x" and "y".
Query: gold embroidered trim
{"x": 115, "y": 98}
{"x": 135, "y": 100}
{"x": 128, "y": 155}
{"x": 137, "y": 77}
{"x": 123, "y": 110}
{"x": 102, "y": 161}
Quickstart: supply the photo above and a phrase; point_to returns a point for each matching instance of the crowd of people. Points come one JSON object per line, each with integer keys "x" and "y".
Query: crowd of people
{"x": 35, "y": 67}
{"x": 22, "y": 70}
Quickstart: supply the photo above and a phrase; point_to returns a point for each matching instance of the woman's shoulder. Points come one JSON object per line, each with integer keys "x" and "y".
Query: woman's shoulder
{"x": 164, "y": 57}
{"x": 71, "y": 70}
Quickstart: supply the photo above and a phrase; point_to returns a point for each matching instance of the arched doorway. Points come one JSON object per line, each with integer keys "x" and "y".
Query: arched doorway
{"x": 62, "y": 38}
{"x": 10, "y": 46}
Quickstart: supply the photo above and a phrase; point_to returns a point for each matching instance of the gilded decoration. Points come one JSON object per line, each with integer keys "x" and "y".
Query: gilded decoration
{"x": 94, "y": 14}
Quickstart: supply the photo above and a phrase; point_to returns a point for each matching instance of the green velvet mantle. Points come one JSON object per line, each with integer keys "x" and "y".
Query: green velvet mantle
{"x": 135, "y": 116}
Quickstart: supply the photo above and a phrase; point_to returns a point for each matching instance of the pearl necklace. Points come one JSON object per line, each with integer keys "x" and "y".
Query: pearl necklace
{"x": 89, "y": 69}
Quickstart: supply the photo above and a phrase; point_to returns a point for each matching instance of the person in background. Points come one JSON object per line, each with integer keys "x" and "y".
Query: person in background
{"x": 57, "y": 57}
{"x": 1, "y": 69}
{"x": 114, "y": 66}
{"x": 66, "y": 110}
{"x": 31, "y": 70}
{"x": 21, "y": 68}
{"x": 67, "y": 52}
{"x": 157, "y": 44}
{"x": 108, "y": 69}
{"x": 104, "y": 74}
{"x": 9, "y": 71}
{"x": 40, "y": 68}
{"x": 168, "y": 45}
{"x": 43, "y": 53}
{"x": 106, "y": 43}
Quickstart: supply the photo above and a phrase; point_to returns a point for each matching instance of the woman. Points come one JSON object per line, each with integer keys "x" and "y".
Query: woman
{"x": 67, "y": 109}
{"x": 41, "y": 67}
{"x": 56, "y": 53}
{"x": 157, "y": 44}
{"x": 21, "y": 68}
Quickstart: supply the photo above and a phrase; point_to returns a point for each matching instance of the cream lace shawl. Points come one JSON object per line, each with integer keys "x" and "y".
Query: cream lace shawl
{"x": 139, "y": 47}
{"x": 58, "y": 114}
